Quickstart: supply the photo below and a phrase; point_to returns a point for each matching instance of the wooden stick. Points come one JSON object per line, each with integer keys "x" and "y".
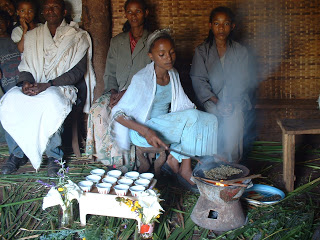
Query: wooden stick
{"x": 215, "y": 182}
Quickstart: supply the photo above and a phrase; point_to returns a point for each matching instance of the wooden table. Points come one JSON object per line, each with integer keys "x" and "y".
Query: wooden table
{"x": 95, "y": 203}
{"x": 290, "y": 128}
{"x": 105, "y": 205}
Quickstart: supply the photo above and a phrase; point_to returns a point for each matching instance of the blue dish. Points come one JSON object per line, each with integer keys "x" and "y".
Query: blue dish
{"x": 263, "y": 194}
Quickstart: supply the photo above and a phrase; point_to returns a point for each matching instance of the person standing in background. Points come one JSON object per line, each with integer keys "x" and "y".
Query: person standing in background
{"x": 220, "y": 78}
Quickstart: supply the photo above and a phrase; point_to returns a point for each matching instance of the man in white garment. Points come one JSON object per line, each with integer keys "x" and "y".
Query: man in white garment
{"x": 56, "y": 64}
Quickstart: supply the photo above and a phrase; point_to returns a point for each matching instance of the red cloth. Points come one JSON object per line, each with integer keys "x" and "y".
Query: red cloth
{"x": 133, "y": 42}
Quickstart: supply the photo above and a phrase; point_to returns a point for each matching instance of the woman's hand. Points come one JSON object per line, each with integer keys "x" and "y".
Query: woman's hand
{"x": 153, "y": 139}
{"x": 214, "y": 99}
{"x": 143, "y": 130}
{"x": 115, "y": 97}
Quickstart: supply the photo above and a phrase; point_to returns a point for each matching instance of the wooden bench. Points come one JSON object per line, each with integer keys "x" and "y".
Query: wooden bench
{"x": 269, "y": 110}
{"x": 290, "y": 128}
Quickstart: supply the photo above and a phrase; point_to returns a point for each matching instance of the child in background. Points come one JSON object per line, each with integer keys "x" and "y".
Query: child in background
{"x": 27, "y": 12}
{"x": 7, "y": 6}
{"x": 9, "y": 60}
{"x": 9, "y": 55}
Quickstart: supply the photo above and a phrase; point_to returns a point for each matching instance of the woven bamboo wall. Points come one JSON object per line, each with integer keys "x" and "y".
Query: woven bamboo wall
{"x": 283, "y": 34}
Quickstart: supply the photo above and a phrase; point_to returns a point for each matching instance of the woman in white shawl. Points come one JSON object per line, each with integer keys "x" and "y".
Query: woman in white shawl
{"x": 156, "y": 112}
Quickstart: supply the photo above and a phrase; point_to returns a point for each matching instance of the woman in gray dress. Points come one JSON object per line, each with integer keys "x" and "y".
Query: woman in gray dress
{"x": 220, "y": 78}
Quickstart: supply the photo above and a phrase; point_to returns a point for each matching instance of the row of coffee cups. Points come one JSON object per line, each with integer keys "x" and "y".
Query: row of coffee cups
{"x": 120, "y": 184}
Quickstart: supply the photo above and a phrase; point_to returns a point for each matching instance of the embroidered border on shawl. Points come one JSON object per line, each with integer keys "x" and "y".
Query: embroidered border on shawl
{"x": 111, "y": 126}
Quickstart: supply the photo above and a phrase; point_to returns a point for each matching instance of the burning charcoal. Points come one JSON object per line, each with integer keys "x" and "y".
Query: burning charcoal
{"x": 222, "y": 172}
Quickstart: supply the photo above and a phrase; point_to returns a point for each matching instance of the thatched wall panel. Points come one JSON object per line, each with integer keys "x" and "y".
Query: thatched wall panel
{"x": 283, "y": 34}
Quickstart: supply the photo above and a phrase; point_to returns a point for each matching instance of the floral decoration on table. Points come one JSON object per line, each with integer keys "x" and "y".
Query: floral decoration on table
{"x": 147, "y": 206}
{"x": 62, "y": 194}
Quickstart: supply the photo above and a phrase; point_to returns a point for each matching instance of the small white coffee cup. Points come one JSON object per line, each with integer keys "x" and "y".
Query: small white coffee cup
{"x": 132, "y": 175}
{"x": 142, "y": 182}
{"x": 85, "y": 186}
{"x": 109, "y": 179}
{"x": 125, "y": 181}
{"x": 121, "y": 189}
{"x": 136, "y": 190}
{"x": 104, "y": 188}
{"x": 114, "y": 173}
{"x": 148, "y": 176}
{"x": 93, "y": 178}
{"x": 98, "y": 171}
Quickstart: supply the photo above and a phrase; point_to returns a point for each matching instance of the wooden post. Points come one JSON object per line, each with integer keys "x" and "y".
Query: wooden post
{"x": 290, "y": 128}
{"x": 288, "y": 143}
{"x": 96, "y": 19}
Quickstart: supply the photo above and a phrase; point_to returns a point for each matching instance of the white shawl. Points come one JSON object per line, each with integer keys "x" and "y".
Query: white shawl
{"x": 57, "y": 55}
{"x": 32, "y": 120}
{"x": 138, "y": 99}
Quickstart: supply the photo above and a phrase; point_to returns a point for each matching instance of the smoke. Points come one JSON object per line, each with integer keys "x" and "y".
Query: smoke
{"x": 263, "y": 36}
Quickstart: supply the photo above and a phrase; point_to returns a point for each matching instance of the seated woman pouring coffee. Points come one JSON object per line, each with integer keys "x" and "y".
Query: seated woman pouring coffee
{"x": 156, "y": 112}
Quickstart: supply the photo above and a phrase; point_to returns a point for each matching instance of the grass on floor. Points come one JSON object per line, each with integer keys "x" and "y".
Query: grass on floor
{"x": 22, "y": 217}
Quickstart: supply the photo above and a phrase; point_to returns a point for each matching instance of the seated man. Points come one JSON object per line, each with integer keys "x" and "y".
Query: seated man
{"x": 57, "y": 56}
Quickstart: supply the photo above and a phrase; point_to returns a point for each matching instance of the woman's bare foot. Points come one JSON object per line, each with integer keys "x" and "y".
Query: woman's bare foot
{"x": 187, "y": 176}
{"x": 185, "y": 170}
